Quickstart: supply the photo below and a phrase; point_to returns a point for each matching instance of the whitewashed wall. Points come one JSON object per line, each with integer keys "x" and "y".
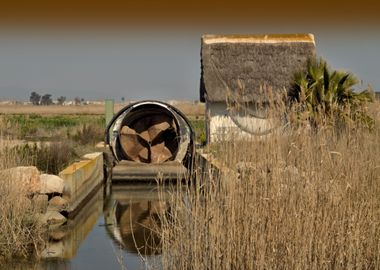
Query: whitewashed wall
{"x": 220, "y": 125}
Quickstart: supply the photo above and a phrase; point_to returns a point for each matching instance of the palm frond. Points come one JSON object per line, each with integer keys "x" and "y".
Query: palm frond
{"x": 328, "y": 93}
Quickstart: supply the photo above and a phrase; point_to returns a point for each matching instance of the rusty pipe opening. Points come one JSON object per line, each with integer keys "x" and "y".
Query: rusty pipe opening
{"x": 150, "y": 132}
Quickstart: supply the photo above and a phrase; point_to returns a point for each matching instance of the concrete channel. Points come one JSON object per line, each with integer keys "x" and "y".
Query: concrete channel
{"x": 145, "y": 141}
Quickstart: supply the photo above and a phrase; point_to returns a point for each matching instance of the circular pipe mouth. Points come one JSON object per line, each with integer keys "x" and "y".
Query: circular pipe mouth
{"x": 149, "y": 134}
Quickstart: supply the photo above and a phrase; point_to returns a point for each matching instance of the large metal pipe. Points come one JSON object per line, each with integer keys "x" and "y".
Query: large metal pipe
{"x": 151, "y": 132}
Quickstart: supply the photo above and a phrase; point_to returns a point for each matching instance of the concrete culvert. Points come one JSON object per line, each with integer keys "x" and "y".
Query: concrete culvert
{"x": 150, "y": 132}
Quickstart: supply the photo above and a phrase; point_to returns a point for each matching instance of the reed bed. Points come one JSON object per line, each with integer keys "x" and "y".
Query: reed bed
{"x": 21, "y": 235}
{"x": 298, "y": 199}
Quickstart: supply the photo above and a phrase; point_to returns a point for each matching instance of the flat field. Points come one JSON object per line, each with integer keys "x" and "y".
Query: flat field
{"x": 188, "y": 108}
{"x": 57, "y": 122}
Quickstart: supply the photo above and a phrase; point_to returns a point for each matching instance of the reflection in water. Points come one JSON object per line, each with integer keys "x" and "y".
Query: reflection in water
{"x": 65, "y": 241}
{"x": 40, "y": 265}
{"x": 132, "y": 215}
{"x": 130, "y": 218}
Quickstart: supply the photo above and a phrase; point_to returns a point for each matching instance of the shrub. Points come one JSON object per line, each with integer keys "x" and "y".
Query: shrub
{"x": 89, "y": 134}
{"x": 199, "y": 129}
{"x": 328, "y": 96}
{"x": 47, "y": 157}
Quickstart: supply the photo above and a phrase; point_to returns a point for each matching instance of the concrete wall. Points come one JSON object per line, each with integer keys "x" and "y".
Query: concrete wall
{"x": 81, "y": 178}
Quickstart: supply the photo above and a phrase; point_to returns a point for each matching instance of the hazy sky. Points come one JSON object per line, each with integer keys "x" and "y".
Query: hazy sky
{"x": 154, "y": 53}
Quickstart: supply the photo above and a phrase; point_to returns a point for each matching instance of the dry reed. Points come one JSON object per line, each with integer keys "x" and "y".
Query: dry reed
{"x": 21, "y": 235}
{"x": 303, "y": 199}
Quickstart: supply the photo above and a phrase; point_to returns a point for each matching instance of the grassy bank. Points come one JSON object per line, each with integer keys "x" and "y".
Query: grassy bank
{"x": 49, "y": 142}
{"x": 36, "y": 127}
{"x": 83, "y": 129}
{"x": 305, "y": 199}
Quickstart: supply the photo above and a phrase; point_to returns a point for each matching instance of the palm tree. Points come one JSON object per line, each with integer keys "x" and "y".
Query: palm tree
{"x": 329, "y": 95}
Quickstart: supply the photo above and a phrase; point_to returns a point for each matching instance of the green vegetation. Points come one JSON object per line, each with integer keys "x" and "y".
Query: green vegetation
{"x": 35, "y": 98}
{"x": 58, "y": 141}
{"x": 84, "y": 129}
{"x": 36, "y": 127}
{"x": 61, "y": 139}
{"x": 328, "y": 96}
{"x": 53, "y": 141}
{"x": 47, "y": 157}
{"x": 28, "y": 125}
{"x": 88, "y": 134}
{"x": 199, "y": 129}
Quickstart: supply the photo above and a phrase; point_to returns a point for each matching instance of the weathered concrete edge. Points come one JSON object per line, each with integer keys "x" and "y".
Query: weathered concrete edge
{"x": 81, "y": 178}
{"x": 209, "y": 165}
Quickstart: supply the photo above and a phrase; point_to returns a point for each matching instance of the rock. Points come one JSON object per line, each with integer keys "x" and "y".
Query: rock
{"x": 92, "y": 155}
{"x": 50, "y": 183}
{"x": 100, "y": 145}
{"x": 40, "y": 203}
{"x": 53, "y": 218}
{"x": 39, "y": 218}
{"x": 53, "y": 250}
{"x": 27, "y": 176}
{"x": 57, "y": 203}
{"x": 57, "y": 235}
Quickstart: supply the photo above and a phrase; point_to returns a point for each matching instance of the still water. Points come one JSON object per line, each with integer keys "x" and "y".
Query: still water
{"x": 114, "y": 230}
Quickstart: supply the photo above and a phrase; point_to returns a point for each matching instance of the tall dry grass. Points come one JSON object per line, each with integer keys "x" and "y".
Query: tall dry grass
{"x": 300, "y": 199}
{"x": 21, "y": 235}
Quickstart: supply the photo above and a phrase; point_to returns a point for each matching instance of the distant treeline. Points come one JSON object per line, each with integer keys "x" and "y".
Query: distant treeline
{"x": 37, "y": 99}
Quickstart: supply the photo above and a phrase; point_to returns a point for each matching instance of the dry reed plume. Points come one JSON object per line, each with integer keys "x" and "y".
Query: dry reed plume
{"x": 303, "y": 199}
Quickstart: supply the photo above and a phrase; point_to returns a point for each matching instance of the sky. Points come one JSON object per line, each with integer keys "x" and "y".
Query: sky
{"x": 151, "y": 49}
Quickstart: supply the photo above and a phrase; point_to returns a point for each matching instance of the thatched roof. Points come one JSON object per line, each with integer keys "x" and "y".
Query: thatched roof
{"x": 254, "y": 60}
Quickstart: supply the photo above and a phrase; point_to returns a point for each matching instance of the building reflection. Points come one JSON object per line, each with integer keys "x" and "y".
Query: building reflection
{"x": 131, "y": 219}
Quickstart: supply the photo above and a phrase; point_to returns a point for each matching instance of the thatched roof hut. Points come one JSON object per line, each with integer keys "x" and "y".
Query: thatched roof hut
{"x": 252, "y": 61}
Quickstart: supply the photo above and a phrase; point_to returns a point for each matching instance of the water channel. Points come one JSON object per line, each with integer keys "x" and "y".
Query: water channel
{"x": 112, "y": 231}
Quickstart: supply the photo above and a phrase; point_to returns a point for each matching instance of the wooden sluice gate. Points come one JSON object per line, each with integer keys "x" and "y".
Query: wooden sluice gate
{"x": 150, "y": 140}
